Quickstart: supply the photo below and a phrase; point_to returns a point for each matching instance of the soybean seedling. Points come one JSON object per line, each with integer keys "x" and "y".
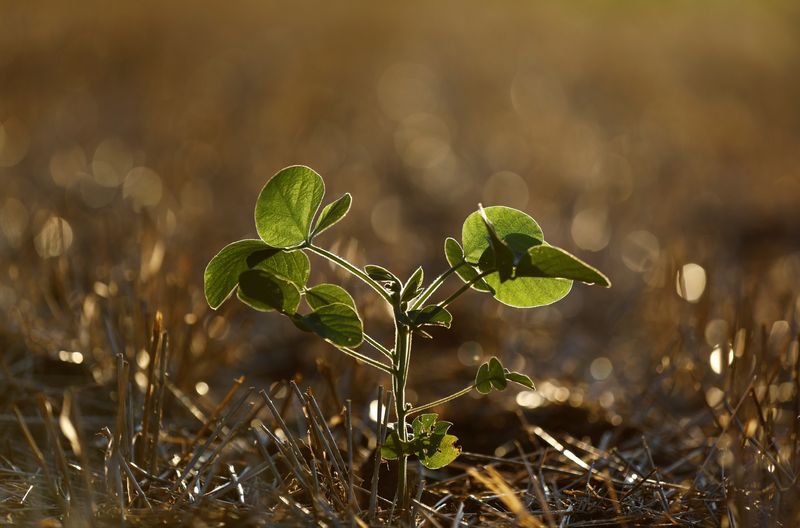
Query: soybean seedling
{"x": 502, "y": 253}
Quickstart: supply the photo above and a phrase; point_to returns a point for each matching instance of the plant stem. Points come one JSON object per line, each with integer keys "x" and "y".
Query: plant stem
{"x": 379, "y": 347}
{"x": 464, "y": 288}
{"x": 402, "y": 356}
{"x": 431, "y": 289}
{"x": 368, "y": 360}
{"x": 336, "y": 259}
{"x": 462, "y": 392}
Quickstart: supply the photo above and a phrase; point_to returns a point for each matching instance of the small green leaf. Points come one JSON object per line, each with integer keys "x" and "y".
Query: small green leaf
{"x": 332, "y": 213}
{"x": 388, "y": 279}
{"x": 379, "y": 273}
{"x": 490, "y": 375}
{"x": 497, "y": 375}
{"x": 222, "y": 273}
{"x": 445, "y": 452}
{"x": 455, "y": 257}
{"x": 423, "y": 424}
{"x": 286, "y": 206}
{"x": 392, "y": 447}
{"x": 501, "y": 256}
{"x": 413, "y": 285}
{"x": 432, "y": 315}
{"x": 522, "y": 379}
{"x": 554, "y": 262}
{"x": 482, "y": 382}
{"x": 266, "y": 292}
{"x": 518, "y": 230}
{"x": 325, "y": 294}
{"x": 338, "y": 323}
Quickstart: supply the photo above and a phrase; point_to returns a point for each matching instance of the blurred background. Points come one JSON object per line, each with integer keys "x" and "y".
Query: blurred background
{"x": 658, "y": 141}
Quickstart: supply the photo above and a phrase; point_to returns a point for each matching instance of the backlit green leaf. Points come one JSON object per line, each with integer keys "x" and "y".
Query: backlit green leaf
{"x": 432, "y": 315}
{"x": 550, "y": 261}
{"x": 392, "y": 447}
{"x": 482, "y": 382}
{"x": 332, "y": 213}
{"x": 222, "y": 273}
{"x": 291, "y": 265}
{"x": 497, "y": 375}
{"x": 490, "y": 375}
{"x": 286, "y": 206}
{"x": 325, "y": 294}
{"x": 413, "y": 285}
{"x": 338, "y": 323}
{"x": 266, "y": 292}
{"x": 527, "y": 292}
{"x": 444, "y": 453}
{"x": 522, "y": 379}
{"x": 518, "y": 230}
{"x": 455, "y": 257}
{"x": 501, "y": 255}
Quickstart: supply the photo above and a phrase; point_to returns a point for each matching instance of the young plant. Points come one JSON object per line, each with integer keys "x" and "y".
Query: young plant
{"x": 502, "y": 253}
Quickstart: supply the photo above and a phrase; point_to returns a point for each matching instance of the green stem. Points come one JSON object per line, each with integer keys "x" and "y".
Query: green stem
{"x": 336, "y": 259}
{"x": 464, "y": 288}
{"x": 431, "y": 289}
{"x": 402, "y": 357}
{"x": 440, "y": 401}
{"x": 366, "y": 359}
{"x": 379, "y": 347}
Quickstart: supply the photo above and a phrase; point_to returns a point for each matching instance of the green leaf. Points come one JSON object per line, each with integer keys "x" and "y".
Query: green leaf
{"x": 503, "y": 258}
{"x": 325, "y": 294}
{"x": 338, "y": 323}
{"x": 286, "y": 206}
{"x": 222, "y": 273}
{"x": 266, "y": 292}
{"x": 527, "y": 292}
{"x": 482, "y": 382}
{"x": 490, "y": 375}
{"x": 432, "y": 315}
{"x": 455, "y": 257}
{"x": 550, "y": 261}
{"x": 379, "y": 273}
{"x": 522, "y": 379}
{"x": 423, "y": 423}
{"x": 388, "y": 279}
{"x": 290, "y": 265}
{"x": 392, "y": 447}
{"x": 332, "y": 213}
{"x": 434, "y": 448}
{"x": 497, "y": 374}
{"x": 445, "y": 452}
{"x": 518, "y": 230}
{"x": 413, "y": 286}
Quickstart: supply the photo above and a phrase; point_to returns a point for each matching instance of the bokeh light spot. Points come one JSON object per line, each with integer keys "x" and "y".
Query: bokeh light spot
{"x": 54, "y": 239}
{"x": 691, "y": 282}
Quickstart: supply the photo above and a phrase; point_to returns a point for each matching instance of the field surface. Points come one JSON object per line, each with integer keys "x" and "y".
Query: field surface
{"x": 658, "y": 141}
